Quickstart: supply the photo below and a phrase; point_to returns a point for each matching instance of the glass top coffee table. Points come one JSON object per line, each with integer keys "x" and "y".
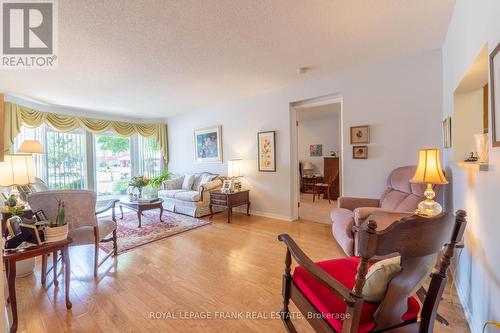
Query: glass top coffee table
{"x": 141, "y": 206}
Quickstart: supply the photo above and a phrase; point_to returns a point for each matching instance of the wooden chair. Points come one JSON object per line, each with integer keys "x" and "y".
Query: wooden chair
{"x": 324, "y": 188}
{"x": 329, "y": 293}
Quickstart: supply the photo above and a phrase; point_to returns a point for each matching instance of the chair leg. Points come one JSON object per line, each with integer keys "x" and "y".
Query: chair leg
{"x": 314, "y": 195}
{"x": 328, "y": 194}
{"x": 287, "y": 281}
{"x": 115, "y": 244}
{"x": 96, "y": 251}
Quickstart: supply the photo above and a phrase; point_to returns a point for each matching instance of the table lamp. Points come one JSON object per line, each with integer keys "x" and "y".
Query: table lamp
{"x": 30, "y": 147}
{"x": 235, "y": 171}
{"x": 429, "y": 172}
{"x": 15, "y": 170}
{"x": 308, "y": 167}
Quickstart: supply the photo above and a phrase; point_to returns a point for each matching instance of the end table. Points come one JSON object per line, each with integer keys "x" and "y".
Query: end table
{"x": 11, "y": 257}
{"x": 230, "y": 200}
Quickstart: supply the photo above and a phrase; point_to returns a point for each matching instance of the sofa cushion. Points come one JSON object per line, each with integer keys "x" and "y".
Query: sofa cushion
{"x": 187, "y": 184}
{"x": 330, "y": 305}
{"x": 188, "y": 195}
{"x": 202, "y": 179}
{"x": 168, "y": 193}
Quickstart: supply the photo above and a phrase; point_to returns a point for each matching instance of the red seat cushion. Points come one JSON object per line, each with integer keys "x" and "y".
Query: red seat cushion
{"x": 331, "y": 306}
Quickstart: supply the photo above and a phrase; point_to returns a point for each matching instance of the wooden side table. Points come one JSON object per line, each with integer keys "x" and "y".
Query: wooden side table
{"x": 11, "y": 257}
{"x": 228, "y": 201}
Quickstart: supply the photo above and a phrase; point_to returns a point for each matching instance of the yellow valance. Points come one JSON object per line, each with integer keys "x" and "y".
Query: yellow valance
{"x": 15, "y": 116}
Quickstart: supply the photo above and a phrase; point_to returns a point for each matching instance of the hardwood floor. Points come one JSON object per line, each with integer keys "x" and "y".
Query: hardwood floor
{"x": 217, "y": 268}
{"x": 317, "y": 211}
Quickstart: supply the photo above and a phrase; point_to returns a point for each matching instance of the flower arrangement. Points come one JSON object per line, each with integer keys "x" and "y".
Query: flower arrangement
{"x": 139, "y": 182}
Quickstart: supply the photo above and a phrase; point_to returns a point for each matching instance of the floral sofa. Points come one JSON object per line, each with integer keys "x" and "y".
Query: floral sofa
{"x": 190, "y": 194}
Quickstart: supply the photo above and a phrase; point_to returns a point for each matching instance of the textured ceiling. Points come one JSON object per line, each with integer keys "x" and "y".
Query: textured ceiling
{"x": 157, "y": 58}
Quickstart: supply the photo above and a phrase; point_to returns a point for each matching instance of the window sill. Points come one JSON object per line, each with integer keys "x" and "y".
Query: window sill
{"x": 473, "y": 166}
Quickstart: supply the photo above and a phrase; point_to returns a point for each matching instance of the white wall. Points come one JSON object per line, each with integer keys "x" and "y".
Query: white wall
{"x": 467, "y": 121}
{"x": 473, "y": 24}
{"x": 401, "y": 100}
{"x": 322, "y": 129}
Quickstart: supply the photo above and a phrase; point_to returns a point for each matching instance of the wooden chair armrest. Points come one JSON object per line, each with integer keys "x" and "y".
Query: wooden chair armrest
{"x": 323, "y": 277}
{"x": 110, "y": 205}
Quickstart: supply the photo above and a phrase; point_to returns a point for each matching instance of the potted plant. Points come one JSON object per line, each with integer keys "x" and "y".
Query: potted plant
{"x": 158, "y": 180}
{"x": 58, "y": 230}
{"x": 155, "y": 183}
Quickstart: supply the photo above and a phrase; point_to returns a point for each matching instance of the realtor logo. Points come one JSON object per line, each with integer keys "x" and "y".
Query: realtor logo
{"x": 28, "y": 34}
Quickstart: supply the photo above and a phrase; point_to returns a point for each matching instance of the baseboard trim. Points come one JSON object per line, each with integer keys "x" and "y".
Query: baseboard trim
{"x": 242, "y": 209}
{"x": 468, "y": 315}
{"x": 271, "y": 215}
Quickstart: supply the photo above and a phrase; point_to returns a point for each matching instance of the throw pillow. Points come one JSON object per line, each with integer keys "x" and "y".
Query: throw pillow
{"x": 378, "y": 277}
{"x": 187, "y": 184}
{"x": 203, "y": 180}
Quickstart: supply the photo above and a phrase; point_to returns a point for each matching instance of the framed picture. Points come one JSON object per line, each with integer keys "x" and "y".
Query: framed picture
{"x": 360, "y": 152}
{"x": 316, "y": 150}
{"x": 447, "y": 133}
{"x": 208, "y": 145}
{"x": 227, "y": 186}
{"x": 14, "y": 226}
{"x": 360, "y": 134}
{"x": 32, "y": 234}
{"x": 495, "y": 95}
{"x": 266, "y": 143}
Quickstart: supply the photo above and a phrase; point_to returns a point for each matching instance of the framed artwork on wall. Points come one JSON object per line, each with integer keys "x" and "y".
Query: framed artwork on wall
{"x": 360, "y": 134}
{"x": 316, "y": 150}
{"x": 208, "y": 145}
{"x": 447, "y": 132}
{"x": 495, "y": 95}
{"x": 360, "y": 152}
{"x": 266, "y": 143}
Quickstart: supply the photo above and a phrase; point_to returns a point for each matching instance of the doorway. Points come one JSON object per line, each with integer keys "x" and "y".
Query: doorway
{"x": 317, "y": 149}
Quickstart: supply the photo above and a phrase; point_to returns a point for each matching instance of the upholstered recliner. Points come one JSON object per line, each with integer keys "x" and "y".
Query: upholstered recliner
{"x": 400, "y": 196}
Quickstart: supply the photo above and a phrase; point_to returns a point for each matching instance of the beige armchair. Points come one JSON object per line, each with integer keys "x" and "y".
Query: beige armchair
{"x": 401, "y": 196}
{"x": 80, "y": 215}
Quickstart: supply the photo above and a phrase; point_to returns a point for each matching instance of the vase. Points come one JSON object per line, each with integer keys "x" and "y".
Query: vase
{"x": 140, "y": 192}
{"x": 56, "y": 234}
{"x": 481, "y": 147}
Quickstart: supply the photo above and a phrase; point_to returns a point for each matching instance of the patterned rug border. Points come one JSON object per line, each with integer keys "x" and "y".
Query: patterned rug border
{"x": 205, "y": 223}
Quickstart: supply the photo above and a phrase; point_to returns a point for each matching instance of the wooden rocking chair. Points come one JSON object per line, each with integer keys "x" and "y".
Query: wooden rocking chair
{"x": 329, "y": 293}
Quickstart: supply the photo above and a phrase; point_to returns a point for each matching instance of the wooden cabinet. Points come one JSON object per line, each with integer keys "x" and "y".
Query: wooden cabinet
{"x": 331, "y": 169}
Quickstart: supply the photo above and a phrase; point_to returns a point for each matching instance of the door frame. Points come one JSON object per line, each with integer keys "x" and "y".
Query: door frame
{"x": 294, "y": 156}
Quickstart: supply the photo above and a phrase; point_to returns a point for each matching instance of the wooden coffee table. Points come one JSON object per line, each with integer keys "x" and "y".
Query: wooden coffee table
{"x": 140, "y": 207}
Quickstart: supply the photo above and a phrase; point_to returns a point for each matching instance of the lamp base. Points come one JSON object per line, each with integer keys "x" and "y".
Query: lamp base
{"x": 429, "y": 208}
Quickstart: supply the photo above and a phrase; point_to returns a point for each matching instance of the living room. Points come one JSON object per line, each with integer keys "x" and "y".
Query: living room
{"x": 151, "y": 157}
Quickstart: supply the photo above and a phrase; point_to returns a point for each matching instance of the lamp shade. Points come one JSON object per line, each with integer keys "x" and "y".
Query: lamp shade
{"x": 308, "y": 166}
{"x": 17, "y": 170}
{"x": 429, "y": 168}
{"x": 30, "y": 147}
{"x": 235, "y": 168}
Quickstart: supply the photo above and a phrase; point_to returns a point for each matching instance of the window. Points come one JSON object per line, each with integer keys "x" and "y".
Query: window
{"x": 102, "y": 162}
{"x": 150, "y": 157}
{"x": 63, "y": 165}
{"x": 112, "y": 164}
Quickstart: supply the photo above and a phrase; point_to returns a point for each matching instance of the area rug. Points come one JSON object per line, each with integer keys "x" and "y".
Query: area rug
{"x": 130, "y": 236}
